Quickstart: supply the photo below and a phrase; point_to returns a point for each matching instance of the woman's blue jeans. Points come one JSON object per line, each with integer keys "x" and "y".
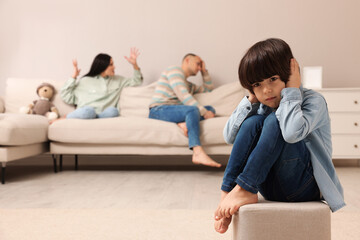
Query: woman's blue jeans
{"x": 89, "y": 113}
{"x": 182, "y": 113}
{"x": 262, "y": 161}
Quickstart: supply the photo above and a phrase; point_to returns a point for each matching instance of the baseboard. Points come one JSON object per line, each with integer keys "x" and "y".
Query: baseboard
{"x": 140, "y": 160}
{"x": 118, "y": 160}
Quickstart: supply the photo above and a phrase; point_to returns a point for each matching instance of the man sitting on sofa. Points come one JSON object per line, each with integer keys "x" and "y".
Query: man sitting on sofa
{"x": 173, "y": 101}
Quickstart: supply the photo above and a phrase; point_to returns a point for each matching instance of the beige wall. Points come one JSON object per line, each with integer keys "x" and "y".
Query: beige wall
{"x": 40, "y": 37}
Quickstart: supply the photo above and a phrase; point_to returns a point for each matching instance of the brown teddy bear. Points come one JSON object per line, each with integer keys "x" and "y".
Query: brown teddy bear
{"x": 43, "y": 106}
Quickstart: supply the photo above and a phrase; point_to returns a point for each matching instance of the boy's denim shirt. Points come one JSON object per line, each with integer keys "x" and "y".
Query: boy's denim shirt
{"x": 302, "y": 115}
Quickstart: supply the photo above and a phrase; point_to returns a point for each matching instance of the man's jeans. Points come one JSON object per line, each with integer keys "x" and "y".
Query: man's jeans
{"x": 182, "y": 113}
{"x": 262, "y": 161}
{"x": 89, "y": 113}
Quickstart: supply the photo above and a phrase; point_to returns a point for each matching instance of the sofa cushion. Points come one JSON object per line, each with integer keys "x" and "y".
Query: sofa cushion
{"x": 11, "y": 153}
{"x": 27, "y": 91}
{"x": 21, "y": 129}
{"x": 132, "y": 130}
{"x": 135, "y": 101}
{"x": 224, "y": 98}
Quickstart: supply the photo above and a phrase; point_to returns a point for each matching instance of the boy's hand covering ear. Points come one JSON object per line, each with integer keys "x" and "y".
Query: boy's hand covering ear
{"x": 252, "y": 98}
{"x": 294, "y": 79}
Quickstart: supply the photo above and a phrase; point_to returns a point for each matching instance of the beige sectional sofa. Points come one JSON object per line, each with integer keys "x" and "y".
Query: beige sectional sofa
{"x": 21, "y": 137}
{"x": 132, "y": 134}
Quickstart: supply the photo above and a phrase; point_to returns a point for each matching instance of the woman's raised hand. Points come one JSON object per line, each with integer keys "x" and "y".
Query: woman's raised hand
{"x": 134, "y": 53}
{"x": 76, "y": 69}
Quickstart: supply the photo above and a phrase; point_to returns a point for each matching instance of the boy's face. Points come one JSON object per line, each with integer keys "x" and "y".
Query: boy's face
{"x": 268, "y": 91}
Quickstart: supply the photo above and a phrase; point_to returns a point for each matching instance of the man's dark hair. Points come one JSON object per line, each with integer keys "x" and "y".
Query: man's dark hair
{"x": 189, "y": 54}
{"x": 264, "y": 60}
{"x": 99, "y": 65}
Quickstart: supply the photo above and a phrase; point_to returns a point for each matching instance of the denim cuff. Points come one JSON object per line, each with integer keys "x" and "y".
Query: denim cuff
{"x": 227, "y": 188}
{"x": 246, "y": 186}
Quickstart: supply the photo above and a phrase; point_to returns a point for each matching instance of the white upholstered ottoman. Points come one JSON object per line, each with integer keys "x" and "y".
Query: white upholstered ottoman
{"x": 282, "y": 221}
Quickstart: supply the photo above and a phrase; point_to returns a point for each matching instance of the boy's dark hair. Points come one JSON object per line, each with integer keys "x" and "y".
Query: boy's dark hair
{"x": 99, "y": 65}
{"x": 263, "y": 60}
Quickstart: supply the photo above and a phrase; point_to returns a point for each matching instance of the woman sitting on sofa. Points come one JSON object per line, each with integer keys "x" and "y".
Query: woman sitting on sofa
{"x": 97, "y": 94}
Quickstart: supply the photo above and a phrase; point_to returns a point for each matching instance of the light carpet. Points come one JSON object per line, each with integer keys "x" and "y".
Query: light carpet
{"x": 79, "y": 224}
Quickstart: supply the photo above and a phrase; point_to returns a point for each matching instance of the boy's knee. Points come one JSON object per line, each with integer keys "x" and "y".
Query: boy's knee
{"x": 271, "y": 120}
{"x": 253, "y": 121}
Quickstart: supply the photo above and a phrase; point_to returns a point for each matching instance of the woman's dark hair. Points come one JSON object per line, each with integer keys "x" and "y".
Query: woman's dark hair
{"x": 100, "y": 63}
{"x": 263, "y": 60}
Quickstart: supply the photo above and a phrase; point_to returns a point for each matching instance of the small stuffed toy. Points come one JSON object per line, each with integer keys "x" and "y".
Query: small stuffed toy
{"x": 43, "y": 106}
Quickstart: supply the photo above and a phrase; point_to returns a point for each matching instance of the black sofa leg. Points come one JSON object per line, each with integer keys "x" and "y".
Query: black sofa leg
{"x": 61, "y": 163}
{"x": 76, "y": 163}
{"x": 3, "y": 174}
{"x": 55, "y": 164}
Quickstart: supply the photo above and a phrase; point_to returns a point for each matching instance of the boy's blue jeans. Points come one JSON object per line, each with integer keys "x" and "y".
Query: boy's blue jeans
{"x": 182, "y": 113}
{"x": 88, "y": 112}
{"x": 262, "y": 161}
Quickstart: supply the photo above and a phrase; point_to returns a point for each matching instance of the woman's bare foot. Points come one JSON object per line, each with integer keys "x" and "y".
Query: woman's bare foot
{"x": 233, "y": 201}
{"x": 183, "y": 127}
{"x": 200, "y": 157}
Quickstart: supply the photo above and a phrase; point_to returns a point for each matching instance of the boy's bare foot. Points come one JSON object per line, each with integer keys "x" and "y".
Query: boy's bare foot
{"x": 222, "y": 225}
{"x": 233, "y": 201}
{"x": 200, "y": 157}
{"x": 183, "y": 127}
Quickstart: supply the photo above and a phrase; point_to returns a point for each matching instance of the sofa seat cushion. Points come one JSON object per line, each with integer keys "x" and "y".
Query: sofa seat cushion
{"x": 22, "y": 129}
{"x": 132, "y": 130}
{"x": 135, "y": 101}
{"x": 11, "y": 153}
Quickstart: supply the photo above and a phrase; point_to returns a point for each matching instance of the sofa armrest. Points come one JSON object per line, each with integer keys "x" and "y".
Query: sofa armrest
{"x": 2, "y": 105}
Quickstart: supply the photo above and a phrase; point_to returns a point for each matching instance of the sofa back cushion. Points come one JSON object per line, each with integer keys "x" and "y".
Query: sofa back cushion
{"x": 135, "y": 101}
{"x": 21, "y": 92}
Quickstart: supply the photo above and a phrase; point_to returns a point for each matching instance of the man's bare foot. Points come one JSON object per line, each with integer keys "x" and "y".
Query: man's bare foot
{"x": 222, "y": 225}
{"x": 200, "y": 157}
{"x": 233, "y": 201}
{"x": 183, "y": 127}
